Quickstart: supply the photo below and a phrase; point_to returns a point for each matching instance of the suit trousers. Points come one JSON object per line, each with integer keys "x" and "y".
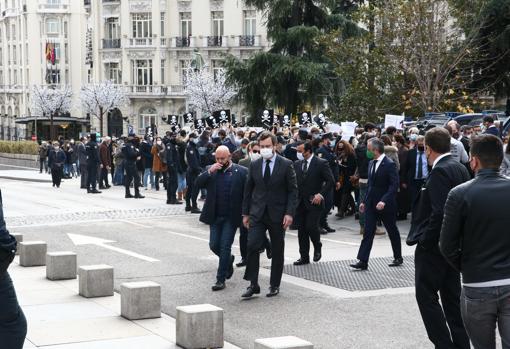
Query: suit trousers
{"x": 443, "y": 322}
{"x": 103, "y": 179}
{"x": 13, "y": 325}
{"x": 92, "y": 176}
{"x": 83, "y": 176}
{"x": 192, "y": 191}
{"x": 132, "y": 175}
{"x": 171, "y": 188}
{"x": 308, "y": 229}
{"x": 389, "y": 219}
{"x": 328, "y": 205}
{"x": 256, "y": 243}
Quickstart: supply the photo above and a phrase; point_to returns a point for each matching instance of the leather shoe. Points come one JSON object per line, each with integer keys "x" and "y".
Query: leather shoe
{"x": 360, "y": 265}
{"x": 273, "y": 291}
{"x": 218, "y": 286}
{"x": 95, "y": 191}
{"x": 396, "y": 262}
{"x": 129, "y": 196}
{"x": 301, "y": 261}
{"x": 187, "y": 208}
{"x": 231, "y": 268}
{"x": 139, "y": 196}
{"x": 196, "y": 210}
{"x": 317, "y": 255}
{"x": 250, "y": 291}
{"x": 322, "y": 231}
{"x": 241, "y": 264}
{"x": 329, "y": 229}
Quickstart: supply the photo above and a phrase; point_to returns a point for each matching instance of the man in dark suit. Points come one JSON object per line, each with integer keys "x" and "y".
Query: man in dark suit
{"x": 416, "y": 169}
{"x": 325, "y": 152}
{"x": 433, "y": 274}
{"x": 380, "y": 202}
{"x": 224, "y": 182}
{"x": 314, "y": 180}
{"x": 269, "y": 204}
{"x": 490, "y": 127}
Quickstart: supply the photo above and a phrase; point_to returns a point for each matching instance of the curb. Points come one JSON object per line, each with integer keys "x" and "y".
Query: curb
{"x": 26, "y": 179}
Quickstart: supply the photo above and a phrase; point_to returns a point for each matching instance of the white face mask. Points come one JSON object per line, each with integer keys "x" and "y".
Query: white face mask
{"x": 255, "y": 156}
{"x": 300, "y": 156}
{"x": 267, "y": 153}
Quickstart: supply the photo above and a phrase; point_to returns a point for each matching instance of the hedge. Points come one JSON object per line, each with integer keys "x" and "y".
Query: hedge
{"x": 19, "y": 147}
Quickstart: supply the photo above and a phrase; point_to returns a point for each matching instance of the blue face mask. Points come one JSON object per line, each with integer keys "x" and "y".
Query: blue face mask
{"x": 333, "y": 143}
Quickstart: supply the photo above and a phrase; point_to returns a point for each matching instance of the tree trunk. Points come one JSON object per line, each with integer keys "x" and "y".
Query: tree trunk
{"x": 52, "y": 130}
{"x": 101, "y": 121}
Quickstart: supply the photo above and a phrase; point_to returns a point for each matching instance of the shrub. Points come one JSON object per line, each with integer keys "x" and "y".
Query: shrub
{"x": 19, "y": 147}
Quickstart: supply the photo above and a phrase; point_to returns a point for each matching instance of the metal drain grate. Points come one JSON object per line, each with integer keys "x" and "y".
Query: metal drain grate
{"x": 338, "y": 274}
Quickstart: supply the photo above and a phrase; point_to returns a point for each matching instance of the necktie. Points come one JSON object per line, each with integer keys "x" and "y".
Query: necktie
{"x": 373, "y": 169}
{"x": 305, "y": 167}
{"x": 267, "y": 172}
{"x": 420, "y": 166}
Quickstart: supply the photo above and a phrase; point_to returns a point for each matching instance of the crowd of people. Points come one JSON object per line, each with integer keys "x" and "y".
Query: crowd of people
{"x": 265, "y": 182}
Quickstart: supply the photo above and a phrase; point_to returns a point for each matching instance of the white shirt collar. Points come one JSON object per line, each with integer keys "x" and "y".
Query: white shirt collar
{"x": 381, "y": 157}
{"x": 309, "y": 159}
{"x": 439, "y": 158}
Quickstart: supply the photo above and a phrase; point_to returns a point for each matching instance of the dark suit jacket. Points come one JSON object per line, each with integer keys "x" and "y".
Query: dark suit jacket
{"x": 245, "y": 162}
{"x": 279, "y": 196}
{"x": 383, "y": 186}
{"x": 318, "y": 180}
{"x": 410, "y": 168}
{"x": 429, "y": 206}
{"x": 208, "y": 181}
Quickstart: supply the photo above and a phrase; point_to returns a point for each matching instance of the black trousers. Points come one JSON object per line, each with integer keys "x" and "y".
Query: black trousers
{"x": 84, "y": 175}
{"x": 243, "y": 241}
{"x": 171, "y": 187}
{"x": 158, "y": 176}
{"x": 328, "y": 205}
{"x": 443, "y": 322}
{"x": 256, "y": 242}
{"x": 13, "y": 325}
{"x": 192, "y": 192}
{"x": 308, "y": 229}
{"x": 103, "y": 180}
{"x": 389, "y": 219}
{"x": 92, "y": 176}
{"x": 56, "y": 175}
{"x": 132, "y": 175}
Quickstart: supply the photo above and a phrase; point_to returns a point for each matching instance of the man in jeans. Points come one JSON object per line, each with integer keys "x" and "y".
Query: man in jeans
{"x": 13, "y": 325}
{"x": 475, "y": 240}
{"x": 224, "y": 181}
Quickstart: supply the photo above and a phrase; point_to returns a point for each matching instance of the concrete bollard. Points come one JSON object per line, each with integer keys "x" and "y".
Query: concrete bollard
{"x": 289, "y": 342}
{"x": 140, "y": 300}
{"x": 32, "y": 253}
{"x": 199, "y": 326}
{"x": 19, "y": 238}
{"x": 96, "y": 281}
{"x": 61, "y": 265}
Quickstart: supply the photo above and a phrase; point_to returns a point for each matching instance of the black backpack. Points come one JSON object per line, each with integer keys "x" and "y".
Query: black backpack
{"x": 7, "y": 243}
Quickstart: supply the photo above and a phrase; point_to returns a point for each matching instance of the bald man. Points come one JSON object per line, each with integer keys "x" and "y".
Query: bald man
{"x": 224, "y": 182}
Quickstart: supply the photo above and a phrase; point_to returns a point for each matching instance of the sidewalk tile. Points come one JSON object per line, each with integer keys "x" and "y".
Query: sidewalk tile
{"x": 39, "y": 297}
{"x": 66, "y": 312}
{"x": 152, "y": 342}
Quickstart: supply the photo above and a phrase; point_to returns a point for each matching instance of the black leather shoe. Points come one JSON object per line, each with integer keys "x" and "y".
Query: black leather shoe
{"x": 317, "y": 255}
{"x": 360, "y": 265}
{"x": 139, "y": 196}
{"x": 95, "y": 191}
{"x": 396, "y": 262}
{"x": 187, "y": 208}
{"x": 230, "y": 268}
{"x": 329, "y": 229}
{"x": 273, "y": 291}
{"x": 301, "y": 261}
{"x": 251, "y": 290}
{"x": 322, "y": 231}
{"x": 129, "y": 196}
{"x": 218, "y": 286}
{"x": 241, "y": 264}
{"x": 195, "y": 210}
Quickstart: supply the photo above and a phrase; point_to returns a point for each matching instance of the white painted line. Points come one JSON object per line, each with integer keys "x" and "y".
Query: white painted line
{"x": 134, "y": 223}
{"x": 331, "y": 240}
{"x": 129, "y": 253}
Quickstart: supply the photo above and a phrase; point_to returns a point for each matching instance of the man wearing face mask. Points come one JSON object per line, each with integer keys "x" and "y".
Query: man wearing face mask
{"x": 434, "y": 276}
{"x": 379, "y": 202}
{"x": 325, "y": 152}
{"x": 253, "y": 154}
{"x": 225, "y": 183}
{"x": 92, "y": 164}
{"x": 314, "y": 180}
{"x": 131, "y": 155}
{"x": 416, "y": 169}
{"x": 270, "y": 200}
{"x": 173, "y": 165}
{"x": 242, "y": 152}
{"x": 192, "y": 172}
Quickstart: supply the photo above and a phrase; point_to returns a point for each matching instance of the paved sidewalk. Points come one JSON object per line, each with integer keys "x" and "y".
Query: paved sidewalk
{"x": 23, "y": 174}
{"x": 58, "y": 318}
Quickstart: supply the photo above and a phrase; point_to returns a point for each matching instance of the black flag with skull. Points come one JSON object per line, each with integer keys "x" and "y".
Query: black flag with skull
{"x": 305, "y": 119}
{"x": 199, "y": 125}
{"x": 189, "y": 117}
{"x": 321, "y": 120}
{"x": 266, "y": 117}
{"x": 222, "y": 116}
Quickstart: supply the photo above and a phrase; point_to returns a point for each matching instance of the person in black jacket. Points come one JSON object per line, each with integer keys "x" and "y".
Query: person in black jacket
{"x": 326, "y": 153}
{"x": 222, "y": 209}
{"x": 173, "y": 165}
{"x": 192, "y": 172}
{"x": 131, "y": 155}
{"x": 434, "y": 276}
{"x": 92, "y": 164}
{"x": 13, "y": 324}
{"x": 314, "y": 181}
{"x": 475, "y": 240}
{"x": 56, "y": 161}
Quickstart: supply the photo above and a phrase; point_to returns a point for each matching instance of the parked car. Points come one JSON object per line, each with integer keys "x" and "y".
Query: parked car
{"x": 505, "y": 130}
{"x": 474, "y": 119}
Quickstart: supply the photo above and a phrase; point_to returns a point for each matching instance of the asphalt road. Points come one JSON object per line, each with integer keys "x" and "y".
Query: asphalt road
{"x": 328, "y": 317}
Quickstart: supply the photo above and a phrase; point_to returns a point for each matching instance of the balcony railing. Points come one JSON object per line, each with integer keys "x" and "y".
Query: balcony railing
{"x": 247, "y": 40}
{"x": 50, "y": 6}
{"x": 214, "y": 41}
{"x": 182, "y": 41}
{"x": 111, "y": 43}
{"x": 140, "y": 42}
{"x": 151, "y": 90}
{"x": 86, "y": 2}
{"x": 110, "y": 1}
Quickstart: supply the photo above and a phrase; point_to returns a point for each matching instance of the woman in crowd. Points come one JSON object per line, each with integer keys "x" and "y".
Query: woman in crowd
{"x": 346, "y": 160}
{"x": 390, "y": 150}
{"x": 56, "y": 161}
